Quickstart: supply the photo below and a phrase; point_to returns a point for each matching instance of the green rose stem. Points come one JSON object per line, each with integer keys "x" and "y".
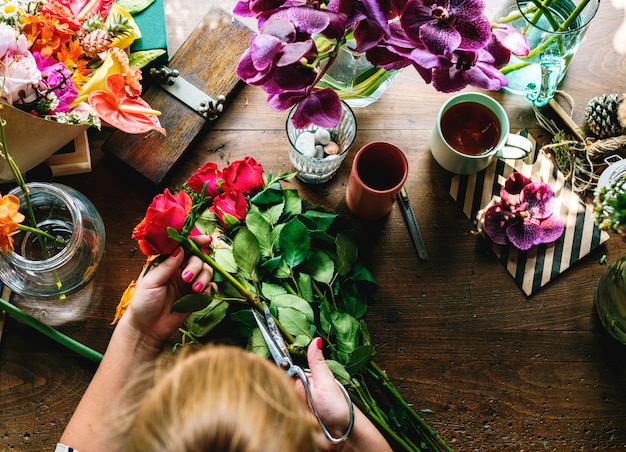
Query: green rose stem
{"x": 53, "y": 334}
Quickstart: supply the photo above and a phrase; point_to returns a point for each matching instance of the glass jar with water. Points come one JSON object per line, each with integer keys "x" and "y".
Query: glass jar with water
{"x": 554, "y": 30}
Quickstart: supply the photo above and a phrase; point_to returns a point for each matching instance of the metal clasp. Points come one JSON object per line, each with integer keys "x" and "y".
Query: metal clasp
{"x": 200, "y": 102}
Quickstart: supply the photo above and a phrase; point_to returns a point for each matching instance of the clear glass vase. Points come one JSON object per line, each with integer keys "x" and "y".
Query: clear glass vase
{"x": 611, "y": 299}
{"x": 357, "y": 81}
{"x": 61, "y": 269}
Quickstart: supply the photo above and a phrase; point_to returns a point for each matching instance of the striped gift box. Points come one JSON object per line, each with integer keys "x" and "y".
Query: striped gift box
{"x": 536, "y": 267}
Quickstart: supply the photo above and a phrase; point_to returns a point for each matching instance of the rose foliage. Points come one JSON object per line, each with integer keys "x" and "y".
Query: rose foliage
{"x": 525, "y": 215}
{"x": 450, "y": 43}
{"x": 270, "y": 245}
{"x": 68, "y": 61}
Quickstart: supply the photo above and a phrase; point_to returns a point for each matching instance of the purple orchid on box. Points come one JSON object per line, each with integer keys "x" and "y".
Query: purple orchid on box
{"x": 450, "y": 43}
{"x": 525, "y": 214}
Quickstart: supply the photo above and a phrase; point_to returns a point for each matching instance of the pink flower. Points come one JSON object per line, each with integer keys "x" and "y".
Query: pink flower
{"x": 244, "y": 175}
{"x": 17, "y": 66}
{"x": 166, "y": 210}
{"x": 230, "y": 208}
{"x": 209, "y": 175}
{"x": 525, "y": 214}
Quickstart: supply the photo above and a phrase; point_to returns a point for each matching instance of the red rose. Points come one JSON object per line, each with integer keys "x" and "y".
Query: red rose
{"x": 208, "y": 175}
{"x": 245, "y": 175}
{"x": 230, "y": 208}
{"x": 166, "y": 210}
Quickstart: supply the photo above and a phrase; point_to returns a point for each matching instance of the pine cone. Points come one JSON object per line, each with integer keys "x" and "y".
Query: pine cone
{"x": 95, "y": 42}
{"x": 601, "y": 114}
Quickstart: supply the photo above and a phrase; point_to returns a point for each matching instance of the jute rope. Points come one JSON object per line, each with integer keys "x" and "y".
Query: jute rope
{"x": 581, "y": 162}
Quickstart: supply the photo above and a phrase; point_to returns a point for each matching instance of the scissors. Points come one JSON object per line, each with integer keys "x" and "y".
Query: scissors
{"x": 280, "y": 354}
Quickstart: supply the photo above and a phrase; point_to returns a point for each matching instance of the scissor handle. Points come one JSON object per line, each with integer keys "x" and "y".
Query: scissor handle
{"x": 296, "y": 370}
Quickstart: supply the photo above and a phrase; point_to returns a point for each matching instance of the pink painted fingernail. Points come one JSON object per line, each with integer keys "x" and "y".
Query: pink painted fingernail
{"x": 177, "y": 252}
{"x": 187, "y": 276}
{"x": 319, "y": 342}
{"x": 197, "y": 287}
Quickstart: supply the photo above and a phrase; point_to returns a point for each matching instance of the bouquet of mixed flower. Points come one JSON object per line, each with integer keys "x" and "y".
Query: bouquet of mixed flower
{"x": 450, "y": 43}
{"x": 68, "y": 61}
{"x": 270, "y": 246}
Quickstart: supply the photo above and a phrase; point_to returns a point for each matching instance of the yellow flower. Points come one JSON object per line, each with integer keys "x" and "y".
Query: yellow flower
{"x": 124, "y": 302}
{"x": 10, "y": 219}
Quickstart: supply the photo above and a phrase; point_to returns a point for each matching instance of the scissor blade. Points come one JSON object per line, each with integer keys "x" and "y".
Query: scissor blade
{"x": 275, "y": 345}
{"x": 274, "y": 331}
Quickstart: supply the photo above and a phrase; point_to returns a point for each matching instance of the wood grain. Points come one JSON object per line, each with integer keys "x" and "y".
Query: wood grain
{"x": 492, "y": 368}
{"x": 202, "y": 62}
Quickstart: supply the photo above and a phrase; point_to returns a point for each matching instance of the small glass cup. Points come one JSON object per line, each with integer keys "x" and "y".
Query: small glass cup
{"x": 317, "y": 170}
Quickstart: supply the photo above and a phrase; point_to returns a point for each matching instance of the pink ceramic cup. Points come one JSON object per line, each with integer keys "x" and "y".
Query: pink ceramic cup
{"x": 379, "y": 171}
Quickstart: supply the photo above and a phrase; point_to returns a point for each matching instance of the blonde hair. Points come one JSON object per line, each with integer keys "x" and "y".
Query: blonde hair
{"x": 220, "y": 398}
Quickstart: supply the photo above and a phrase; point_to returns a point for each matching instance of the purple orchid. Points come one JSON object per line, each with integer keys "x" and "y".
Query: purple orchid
{"x": 56, "y": 79}
{"x": 273, "y": 60}
{"x": 449, "y": 42}
{"x": 447, "y": 25}
{"x": 525, "y": 214}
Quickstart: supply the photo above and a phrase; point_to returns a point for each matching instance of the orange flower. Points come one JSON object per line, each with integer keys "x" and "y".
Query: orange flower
{"x": 46, "y": 34}
{"x": 124, "y": 302}
{"x": 10, "y": 218}
{"x": 70, "y": 56}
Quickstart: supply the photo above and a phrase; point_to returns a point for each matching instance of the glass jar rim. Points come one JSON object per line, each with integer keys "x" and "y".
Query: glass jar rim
{"x": 62, "y": 192}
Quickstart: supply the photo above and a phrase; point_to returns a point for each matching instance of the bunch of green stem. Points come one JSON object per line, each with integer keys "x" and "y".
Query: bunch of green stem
{"x": 427, "y": 437}
{"x": 538, "y": 9}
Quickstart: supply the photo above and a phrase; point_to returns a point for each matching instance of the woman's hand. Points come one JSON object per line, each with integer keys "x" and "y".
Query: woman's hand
{"x": 150, "y": 311}
{"x": 333, "y": 409}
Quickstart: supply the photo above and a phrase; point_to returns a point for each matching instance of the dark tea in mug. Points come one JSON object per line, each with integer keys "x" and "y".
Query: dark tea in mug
{"x": 470, "y": 128}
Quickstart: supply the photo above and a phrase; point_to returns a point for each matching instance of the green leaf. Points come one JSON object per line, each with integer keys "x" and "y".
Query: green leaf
{"x": 321, "y": 266}
{"x": 294, "y": 242}
{"x": 347, "y": 330}
{"x": 305, "y": 286}
{"x": 134, "y": 6}
{"x": 323, "y": 220}
{"x": 294, "y": 302}
{"x": 224, "y": 257}
{"x": 274, "y": 213}
{"x": 142, "y": 58}
{"x": 272, "y": 194}
{"x": 271, "y": 266}
{"x": 257, "y": 344}
{"x": 261, "y": 228}
{"x": 302, "y": 340}
{"x": 346, "y": 253}
{"x": 361, "y": 273}
{"x": 192, "y": 302}
{"x": 353, "y": 301}
{"x": 340, "y": 372}
{"x": 293, "y": 203}
{"x": 294, "y": 321}
{"x": 270, "y": 290}
{"x": 359, "y": 358}
{"x": 201, "y": 323}
{"x": 246, "y": 251}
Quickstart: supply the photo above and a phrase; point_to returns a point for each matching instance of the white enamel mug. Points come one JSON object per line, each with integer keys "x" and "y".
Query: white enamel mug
{"x": 508, "y": 146}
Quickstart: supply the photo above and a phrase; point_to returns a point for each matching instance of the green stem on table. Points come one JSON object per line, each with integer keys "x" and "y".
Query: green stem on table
{"x": 431, "y": 436}
{"x": 53, "y": 334}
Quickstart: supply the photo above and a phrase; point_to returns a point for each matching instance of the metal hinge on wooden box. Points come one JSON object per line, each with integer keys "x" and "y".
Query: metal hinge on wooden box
{"x": 181, "y": 90}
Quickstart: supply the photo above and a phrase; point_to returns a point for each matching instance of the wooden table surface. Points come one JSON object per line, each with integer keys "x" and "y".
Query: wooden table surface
{"x": 495, "y": 369}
